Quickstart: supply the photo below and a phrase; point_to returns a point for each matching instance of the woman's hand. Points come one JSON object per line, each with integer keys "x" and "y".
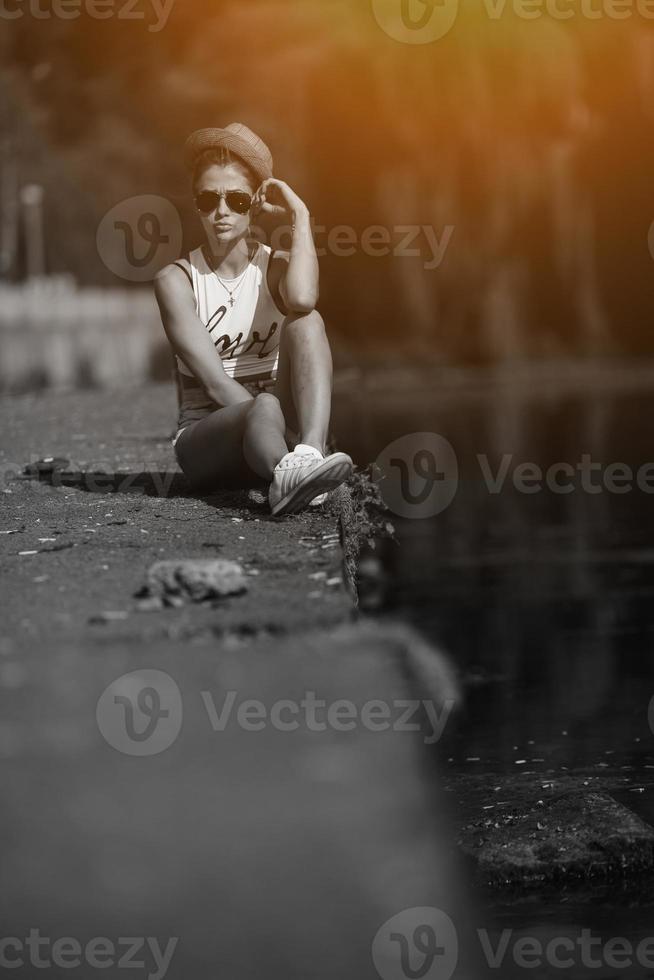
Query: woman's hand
{"x": 273, "y": 190}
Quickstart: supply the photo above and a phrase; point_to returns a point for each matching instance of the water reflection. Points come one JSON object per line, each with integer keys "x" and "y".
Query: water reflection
{"x": 544, "y": 601}
{"x": 543, "y": 598}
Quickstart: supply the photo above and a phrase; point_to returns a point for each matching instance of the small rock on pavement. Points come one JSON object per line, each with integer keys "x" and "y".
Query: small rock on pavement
{"x": 175, "y": 582}
{"x": 109, "y": 616}
{"x": 49, "y": 464}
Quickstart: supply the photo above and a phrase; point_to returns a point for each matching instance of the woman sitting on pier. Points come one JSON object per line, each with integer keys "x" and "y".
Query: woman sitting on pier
{"x": 252, "y": 361}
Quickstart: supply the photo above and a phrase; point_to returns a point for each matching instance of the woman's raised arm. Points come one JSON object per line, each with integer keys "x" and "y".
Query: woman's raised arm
{"x": 298, "y": 285}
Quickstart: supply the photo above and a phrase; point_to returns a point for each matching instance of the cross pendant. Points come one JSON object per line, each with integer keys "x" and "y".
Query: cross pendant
{"x": 231, "y": 300}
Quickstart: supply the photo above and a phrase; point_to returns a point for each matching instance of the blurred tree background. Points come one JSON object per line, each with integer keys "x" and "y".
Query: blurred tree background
{"x": 532, "y": 139}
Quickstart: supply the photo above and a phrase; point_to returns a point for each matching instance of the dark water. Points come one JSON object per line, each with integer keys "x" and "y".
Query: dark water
{"x": 544, "y": 601}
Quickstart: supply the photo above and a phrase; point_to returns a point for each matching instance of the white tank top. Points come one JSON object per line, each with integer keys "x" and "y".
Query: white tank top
{"x": 245, "y": 334}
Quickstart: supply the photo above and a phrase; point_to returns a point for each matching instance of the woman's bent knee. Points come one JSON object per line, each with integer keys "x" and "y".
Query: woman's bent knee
{"x": 266, "y": 404}
{"x": 265, "y": 410}
{"x": 305, "y": 324}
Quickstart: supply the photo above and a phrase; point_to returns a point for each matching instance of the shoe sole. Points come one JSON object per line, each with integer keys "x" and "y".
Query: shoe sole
{"x": 327, "y": 477}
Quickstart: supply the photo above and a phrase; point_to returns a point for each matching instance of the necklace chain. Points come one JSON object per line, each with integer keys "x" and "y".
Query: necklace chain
{"x": 236, "y": 287}
{"x": 240, "y": 279}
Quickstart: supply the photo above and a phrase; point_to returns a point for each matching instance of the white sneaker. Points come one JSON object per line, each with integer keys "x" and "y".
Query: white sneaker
{"x": 322, "y": 497}
{"x": 306, "y": 451}
{"x": 303, "y": 475}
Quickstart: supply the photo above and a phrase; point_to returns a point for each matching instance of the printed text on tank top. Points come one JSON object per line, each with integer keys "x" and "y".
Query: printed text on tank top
{"x": 230, "y": 345}
{"x": 255, "y": 316}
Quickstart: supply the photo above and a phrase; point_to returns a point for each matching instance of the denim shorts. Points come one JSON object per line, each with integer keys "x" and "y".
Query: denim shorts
{"x": 254, "y": 386}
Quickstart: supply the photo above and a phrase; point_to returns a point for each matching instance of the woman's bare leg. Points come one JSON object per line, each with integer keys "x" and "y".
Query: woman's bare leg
{"x": 233, "y": 442}
{"x": 304, "y": 377}
{"x": 263, "y": 438}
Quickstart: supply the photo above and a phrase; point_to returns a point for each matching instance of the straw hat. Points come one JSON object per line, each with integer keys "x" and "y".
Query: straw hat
{"x": 237, "y": 138}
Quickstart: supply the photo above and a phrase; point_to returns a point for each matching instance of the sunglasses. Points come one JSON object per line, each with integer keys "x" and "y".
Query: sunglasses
{"x": 238, "y": 201}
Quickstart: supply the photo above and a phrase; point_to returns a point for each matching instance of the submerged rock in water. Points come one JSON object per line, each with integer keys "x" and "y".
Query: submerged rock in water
{"x": 577, "y": 835}
{"x": 174, "y": 582}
